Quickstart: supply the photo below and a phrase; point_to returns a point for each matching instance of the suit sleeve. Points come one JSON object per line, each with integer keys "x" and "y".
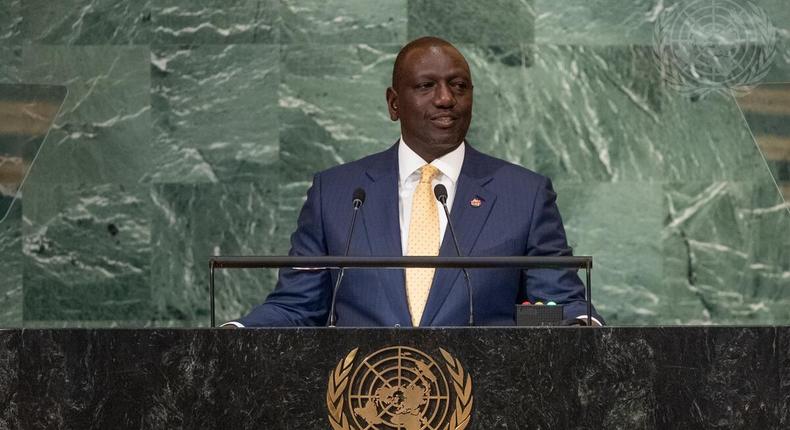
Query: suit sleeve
{"x": 301, "y": 297}
{"x": 547, "y": 238}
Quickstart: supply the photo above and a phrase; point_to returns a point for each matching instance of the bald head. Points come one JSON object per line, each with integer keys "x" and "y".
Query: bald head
{"x": 418, "y": 45}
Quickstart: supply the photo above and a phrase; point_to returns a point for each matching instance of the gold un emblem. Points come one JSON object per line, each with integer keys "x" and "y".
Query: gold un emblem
{"x": 399, "y": 387}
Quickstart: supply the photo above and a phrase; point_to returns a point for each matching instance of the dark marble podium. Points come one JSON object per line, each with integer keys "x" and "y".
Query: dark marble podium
{"x": 522, "y": 378}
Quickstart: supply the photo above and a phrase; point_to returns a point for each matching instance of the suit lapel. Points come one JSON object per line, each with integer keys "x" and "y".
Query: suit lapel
{"x": 382, "y": 225}
{"x": 468, "y": 221}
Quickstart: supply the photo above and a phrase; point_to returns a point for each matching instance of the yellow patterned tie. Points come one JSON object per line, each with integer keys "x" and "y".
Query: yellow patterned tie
{"x": 423, "y": 240}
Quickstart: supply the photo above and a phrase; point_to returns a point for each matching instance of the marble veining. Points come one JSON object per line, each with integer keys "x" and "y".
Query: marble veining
{"x": 221, "y": 213}
{"x": 9, "y": 380}
{"x": 11, "y": 256}
{"x": 103, "y": 133}
{"x": 343, "y": 22}
{"x": 547, "y": 378}
{"x": 101, "y": 273}
{"x": 215, "y": 21}
{"x": 194, "y": 128}
{"x": 86, "y": 22}
{"x": 215, "y": 112}
{"x": 10, "y": 22}
{"x": 495, "y": 22}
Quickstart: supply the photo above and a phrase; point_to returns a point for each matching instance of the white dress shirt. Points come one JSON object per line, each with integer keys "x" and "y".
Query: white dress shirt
{"x": 409, "y": 164}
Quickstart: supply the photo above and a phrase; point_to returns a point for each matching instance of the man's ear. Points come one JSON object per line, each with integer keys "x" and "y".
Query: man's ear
{"x": 392, "y": 104}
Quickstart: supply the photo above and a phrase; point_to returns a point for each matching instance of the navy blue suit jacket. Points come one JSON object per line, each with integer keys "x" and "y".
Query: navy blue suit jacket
{"x": 517, "y": 216}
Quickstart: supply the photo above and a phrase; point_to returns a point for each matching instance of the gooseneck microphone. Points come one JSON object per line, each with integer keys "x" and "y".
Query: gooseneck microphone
{"x": 357, "y": 199}
{"x": 440, "y": 191}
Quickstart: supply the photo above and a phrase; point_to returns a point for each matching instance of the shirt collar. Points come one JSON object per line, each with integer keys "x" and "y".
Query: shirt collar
{"x": 449, "y": 164}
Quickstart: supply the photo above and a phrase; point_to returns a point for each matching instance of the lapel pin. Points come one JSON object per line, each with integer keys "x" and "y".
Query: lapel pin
{"x": 476, "y": 202}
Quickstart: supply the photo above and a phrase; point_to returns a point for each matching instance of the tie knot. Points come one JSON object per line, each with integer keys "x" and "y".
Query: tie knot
{"x": 428, "y": 172}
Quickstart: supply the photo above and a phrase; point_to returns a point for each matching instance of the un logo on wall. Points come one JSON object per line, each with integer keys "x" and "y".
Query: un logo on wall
{"x": 399, "y": 388}
{"x": 708, "y": 46}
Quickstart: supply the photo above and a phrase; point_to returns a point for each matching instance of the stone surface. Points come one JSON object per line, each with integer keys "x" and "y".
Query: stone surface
{"x": 9, "y": 379}
{"x": 551, "y": 378}
{"x": 104, "y": 130}
{"x": 597, "y": 111}
{"x": 333, "y": 107}
{"x": 215, "y": 21}
{"x": 86, "y": 253}
{"x": 603, "y": 114}
{"x": 9, "y": 66}
{"x": 86, "y": 22}
{"x": 780, "y": 72}
{"x": 10, "y": 22}
{"x": 596, "y": 22}
{"x": 503, "y": 112}
{"x": 214, "y": 112}
{"x": 610, "y": 22}
{"x": 199, "y": 125}
{"x": 342, "y": 21}
{"x": 708, "y": 140}
{"x": 625, "y": 245}
{"x": 497, "y": 22}
{"x": 192, "y": 222}
{"x": 11, "y": 256}
{"x": 718, "y": 263}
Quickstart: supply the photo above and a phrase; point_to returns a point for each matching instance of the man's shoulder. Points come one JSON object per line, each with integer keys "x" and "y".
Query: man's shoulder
{"x": 353, "y": 168}
{"x": 500, "y": 168}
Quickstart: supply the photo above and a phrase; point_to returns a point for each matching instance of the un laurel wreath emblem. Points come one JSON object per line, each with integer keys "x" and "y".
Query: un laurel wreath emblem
{"x": 706, "y": 46}
{"x": 399, "y": 387}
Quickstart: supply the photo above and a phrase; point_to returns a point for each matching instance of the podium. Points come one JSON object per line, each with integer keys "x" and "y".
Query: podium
{"x": 498, "y": 378}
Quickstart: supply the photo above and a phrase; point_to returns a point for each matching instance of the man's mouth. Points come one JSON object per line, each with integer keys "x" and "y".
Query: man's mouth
{"x": 443, "y": 121}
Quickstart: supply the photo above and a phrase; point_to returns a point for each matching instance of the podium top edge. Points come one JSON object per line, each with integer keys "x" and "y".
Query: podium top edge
{"x": 334, "y": 262}
{"x": 624, "y": 328}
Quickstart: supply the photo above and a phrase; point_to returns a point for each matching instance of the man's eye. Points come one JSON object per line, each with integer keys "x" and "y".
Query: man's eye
{"x": 460, "y": 85}
{"x": 425, "y": 85}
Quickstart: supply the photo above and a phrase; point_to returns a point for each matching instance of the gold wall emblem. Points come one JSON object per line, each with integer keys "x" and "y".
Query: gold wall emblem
{"x": 399, "y": 388}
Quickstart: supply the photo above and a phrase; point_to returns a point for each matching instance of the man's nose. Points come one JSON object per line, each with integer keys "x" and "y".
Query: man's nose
{"x": 444, "y": 97}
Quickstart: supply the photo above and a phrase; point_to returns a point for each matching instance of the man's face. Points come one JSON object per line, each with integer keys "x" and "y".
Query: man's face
{"x": 432, "y": 98}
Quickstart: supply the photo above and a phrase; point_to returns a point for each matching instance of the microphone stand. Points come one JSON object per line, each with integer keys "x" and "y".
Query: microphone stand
{"x": 441, "y": 195}
{"x": 357, "y": 204}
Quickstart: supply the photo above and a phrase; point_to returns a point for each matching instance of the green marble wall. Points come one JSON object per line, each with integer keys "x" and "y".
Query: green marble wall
{"x": 192, "y": 128}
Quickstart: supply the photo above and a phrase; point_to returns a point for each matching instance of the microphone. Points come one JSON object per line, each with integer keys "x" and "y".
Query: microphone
{"x": 440, "y": 191}
{"x": 357, "y": 199}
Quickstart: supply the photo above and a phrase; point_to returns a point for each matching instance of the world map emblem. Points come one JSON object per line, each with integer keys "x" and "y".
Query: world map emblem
{"x": 399, "y": 387}
{"x": 706, "y": 46}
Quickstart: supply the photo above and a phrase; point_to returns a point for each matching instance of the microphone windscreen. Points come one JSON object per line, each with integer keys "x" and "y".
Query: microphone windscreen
{"x": 440, "y": 191}
{"x": 359, "y": 196}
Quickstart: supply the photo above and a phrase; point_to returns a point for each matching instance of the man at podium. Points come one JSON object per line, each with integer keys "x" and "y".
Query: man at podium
{"x": 497, "y": 209}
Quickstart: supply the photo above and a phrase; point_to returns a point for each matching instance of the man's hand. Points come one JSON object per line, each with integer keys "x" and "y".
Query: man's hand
{"x": 593, "y": 321}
